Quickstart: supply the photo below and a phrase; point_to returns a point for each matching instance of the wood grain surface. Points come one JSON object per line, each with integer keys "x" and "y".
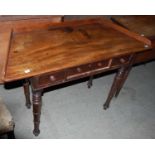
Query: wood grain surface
{"x": 67, "y": 45}
{"x": 143, "y": 25}
{"x": 4, "y": 48}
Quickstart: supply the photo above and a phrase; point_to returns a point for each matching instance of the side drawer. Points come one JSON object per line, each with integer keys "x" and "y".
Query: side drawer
{"x": 51, "y": 79}
{"x": 86, "y": 70}
{"x": 118, "y": 61}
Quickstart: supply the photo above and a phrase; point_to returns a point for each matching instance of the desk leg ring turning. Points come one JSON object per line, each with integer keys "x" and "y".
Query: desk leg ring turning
{"x": 119, "y": 81}
{"x": 115, "y": 86}
{"x": 37, "y": 95}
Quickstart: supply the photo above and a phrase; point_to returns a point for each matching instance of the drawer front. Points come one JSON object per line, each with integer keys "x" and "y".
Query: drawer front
{"x": 86, "y": 70}
{"x": 51, "y": 79}
{"x": 55, "y": 78}
{"x": 118, "y": 61}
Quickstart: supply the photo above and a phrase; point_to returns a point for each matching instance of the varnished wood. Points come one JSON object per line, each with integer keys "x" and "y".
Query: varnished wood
{"x": 142, "y": 25}
{"x": 128, "y": 33}
{"x": 27, "y": 93}
{"x": 36, "y": 111}
{"x": 9, "y": 24}
{"x": 16, "y": 24}
{"x": 145, "y": 56}
{"x": 125, "y": 74}
{"x": 4, "y": 49}
{"x": 27, "y": 23}
{"x": 115, "y": 85}
{"x": 119, "y": 80}
{"x": 37, "y": 52}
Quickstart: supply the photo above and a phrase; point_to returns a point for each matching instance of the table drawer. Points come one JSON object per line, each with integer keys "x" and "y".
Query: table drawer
{"x": 52, "y": 78}
{"x": 118, "y": 61}
{"x": 86, "y": 70}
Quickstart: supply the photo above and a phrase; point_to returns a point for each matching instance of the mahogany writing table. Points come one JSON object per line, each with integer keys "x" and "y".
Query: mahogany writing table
{"x": 67, "y": 51}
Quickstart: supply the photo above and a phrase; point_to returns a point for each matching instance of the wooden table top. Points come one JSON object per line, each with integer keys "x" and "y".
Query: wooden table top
{"x": 61, "y": 46}
{"x": 143, "y": 25}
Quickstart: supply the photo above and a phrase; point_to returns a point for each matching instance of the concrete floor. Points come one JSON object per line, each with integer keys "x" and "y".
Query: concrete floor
{"x": 76, "y": 112}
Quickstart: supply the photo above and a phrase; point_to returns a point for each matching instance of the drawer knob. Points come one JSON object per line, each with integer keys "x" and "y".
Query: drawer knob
{"x": 79, "y": 69}
{"x": 52, "y": 78}
{"x": 122, "y": 60}
{"x": 99, "y": 64}
{"x": 90, "y": 65}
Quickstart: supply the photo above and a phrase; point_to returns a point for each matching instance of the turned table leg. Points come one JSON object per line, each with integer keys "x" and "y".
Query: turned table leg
{"x": 124, "y": 78}
{"x": 37, "y": 95}
{"x": 27, "y": 93}
{"x": 117, "y": 81}
{"x": 125, "y": 75}
{"x": 90, "y": 82}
